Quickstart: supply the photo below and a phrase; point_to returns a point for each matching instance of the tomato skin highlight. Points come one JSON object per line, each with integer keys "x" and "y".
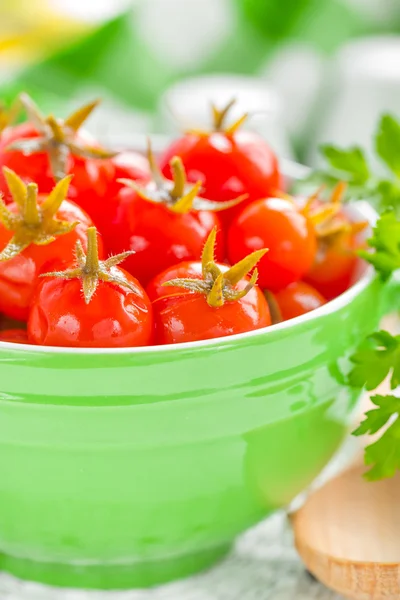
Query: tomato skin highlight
{"x": 114, "y": 317}
{"x": 159, "y": 237}
{"x": 276, "y": 224}
{"x": 298, "y": 299}
{"x": 19, "y": 275}
{"x": 187, "y": 317}
{"x": 228, "y": 165}
{"x": 129, "y": 165}
{"x": 16, "y": 336}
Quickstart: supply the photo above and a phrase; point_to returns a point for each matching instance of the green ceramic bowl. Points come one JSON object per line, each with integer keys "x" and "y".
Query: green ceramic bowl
{"x": 132, "y": 467}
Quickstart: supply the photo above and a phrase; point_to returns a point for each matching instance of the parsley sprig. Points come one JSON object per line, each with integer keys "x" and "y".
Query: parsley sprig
{"x": 384, "y": 454}
{"x": 352, "y": 165}
{"x": 378, "y": 357}
{"x": 384, "y": 252}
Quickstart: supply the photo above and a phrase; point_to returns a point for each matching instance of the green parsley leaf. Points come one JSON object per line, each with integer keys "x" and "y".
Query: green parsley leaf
{"x": 350, "y": 165}
{"x": 379, "y": 356}
{"x": 387, "y": 196}
{"x": 386, "y": 243}
{"x": 384, "y": 454}
{"x": 387, "y": 143}
{"x": 376, "y": 358}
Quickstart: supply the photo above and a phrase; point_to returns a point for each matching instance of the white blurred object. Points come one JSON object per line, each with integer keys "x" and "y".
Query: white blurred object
{"x": 296, "y": 70}
{"x": 115, "y": 124}
{"x": 377, "y": 11}
{"x": 187, "y": 104}
{"x": 363, "y": 83}
{"x": 182, "y": 34}
{"x": 91, "y": 10}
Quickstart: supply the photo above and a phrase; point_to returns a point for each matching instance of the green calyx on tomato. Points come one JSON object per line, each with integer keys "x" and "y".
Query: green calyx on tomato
{"x": 90, "y": 270}
{"x": 327, "y": 217}
{"x": 34, "y": 223}
{"x": 58, "y": 137}
{"x": 330, "y": 223}
{"x": 323, "y": 214}
{"x": 176, "y": 195}
{"x": 219, "y": 286}
{"x": 219, "y": 116}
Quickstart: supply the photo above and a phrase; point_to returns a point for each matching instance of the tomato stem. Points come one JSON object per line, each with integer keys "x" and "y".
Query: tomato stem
{"x": 92, "y": 256}
{"x": 57, "y": 137}
{"x": 33, "y": 223}
{"x": 90, "y": 270}
{"x": 329, "y": 225}
{"x": 179, "y": 177}
{"x": 219, "y": 116}
{"x": 218, "y": 285}
{"x": 177, "y": 196}
{"x": 31, "y": 211}
{"x": 56, "y": 128}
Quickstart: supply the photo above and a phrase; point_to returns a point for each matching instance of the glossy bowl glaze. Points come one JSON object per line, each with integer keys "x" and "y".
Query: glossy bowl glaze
{"x": 131, "y": 467}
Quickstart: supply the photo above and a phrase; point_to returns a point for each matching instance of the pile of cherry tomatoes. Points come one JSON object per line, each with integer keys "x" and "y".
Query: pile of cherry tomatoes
{"x": 103, "y": 249}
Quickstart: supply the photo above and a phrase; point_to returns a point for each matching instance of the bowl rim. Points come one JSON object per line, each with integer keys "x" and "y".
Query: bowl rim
{"x": 361, "y": 210}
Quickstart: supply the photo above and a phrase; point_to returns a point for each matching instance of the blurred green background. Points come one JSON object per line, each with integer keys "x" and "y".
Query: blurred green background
{"x": 131, "y": 51}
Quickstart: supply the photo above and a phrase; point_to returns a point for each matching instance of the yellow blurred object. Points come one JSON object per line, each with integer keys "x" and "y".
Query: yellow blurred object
{"x": 30, "y": 29}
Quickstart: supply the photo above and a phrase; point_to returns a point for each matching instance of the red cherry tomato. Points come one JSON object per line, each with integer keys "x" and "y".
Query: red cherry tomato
{"x": 335, "y": 266}
{"x": 97, "y": 305}
{"x": 114, "y": 318}
{"x": 46, "y": 149}
{"x": 336, "y": 261}
{"x": 91, "y": 176}
{"x": 276, "y": 224}
{"x": 156, "y": 289}
{"x": 208, "y": 300}
{"x": 227, "y": 165}
{"x": 34, "y": 168}
{"x": 152, "y": 223}
{"x": 99, "y": 197}
{"x": 229, "y": 162}
{"x": 297, "y": 299}
{"x": 16, "y": 336}
{"x": 187, "y": 317}
{"x": 18, "y": 275}
{"x": 158, "y": 236}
